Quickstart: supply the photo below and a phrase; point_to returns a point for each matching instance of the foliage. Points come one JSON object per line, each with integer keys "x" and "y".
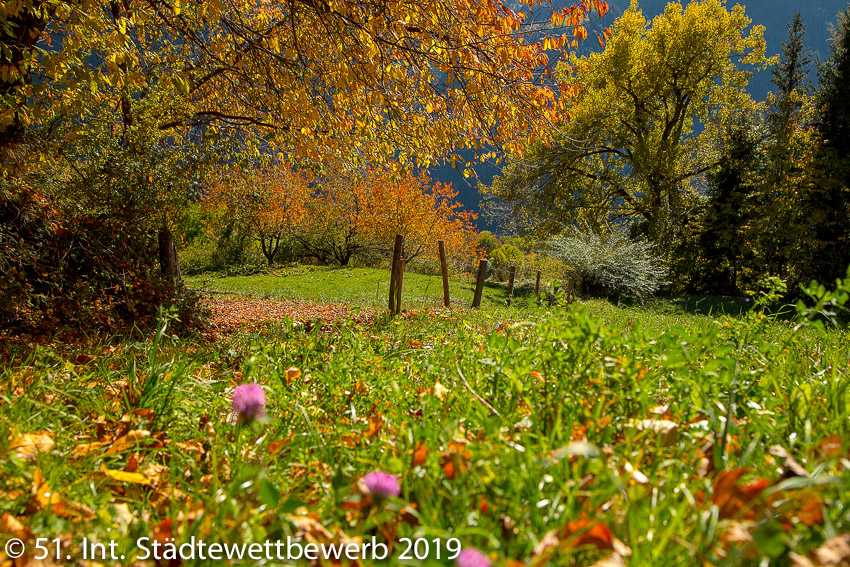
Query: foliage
{"x": 625, "y": 146}
{"x": 263, "y": 203}
{"x": 359, "y": 212}
{"x": 503, "y": 258}
{"x": 609, "y": 262}
{"x": 305, "y": 77}
{"x": 65, "y": 269}
{"x": 487, "y": 242}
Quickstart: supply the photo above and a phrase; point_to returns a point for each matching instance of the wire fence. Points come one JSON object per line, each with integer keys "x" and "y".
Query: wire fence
{"x": 516, "y": 277}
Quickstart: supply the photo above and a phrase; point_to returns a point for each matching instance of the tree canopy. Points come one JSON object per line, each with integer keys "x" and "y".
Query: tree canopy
{"x": 626, "y": 146}
{"x": 309, "y": 77}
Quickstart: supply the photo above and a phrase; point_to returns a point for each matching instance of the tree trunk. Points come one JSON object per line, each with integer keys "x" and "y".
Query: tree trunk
{"x": 168, "y": 262}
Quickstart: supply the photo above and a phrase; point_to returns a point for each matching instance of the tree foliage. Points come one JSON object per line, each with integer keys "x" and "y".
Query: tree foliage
{"x": 626, "y": 147}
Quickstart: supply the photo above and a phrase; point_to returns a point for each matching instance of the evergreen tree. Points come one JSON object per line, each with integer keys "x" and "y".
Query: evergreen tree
{"x": 731, "y": 187}
{"x": 834, "y": 89}
{"x": 829, "y": 199}
{"x": 790, "y": 77}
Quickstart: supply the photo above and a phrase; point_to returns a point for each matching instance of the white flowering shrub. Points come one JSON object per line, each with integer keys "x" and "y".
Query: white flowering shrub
{"x": 610, "y": 262}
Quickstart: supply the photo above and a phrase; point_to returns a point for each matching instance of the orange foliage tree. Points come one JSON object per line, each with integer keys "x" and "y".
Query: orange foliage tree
{"x": 268, "y": 200}
{"x": 359, "y": 212}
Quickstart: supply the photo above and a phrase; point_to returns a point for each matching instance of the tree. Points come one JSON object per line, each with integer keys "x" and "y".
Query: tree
{"x": 733, "y": 187}
{"x": 312, "y": 78}
{"x": 829, "y": 199}
{"x": 790, "y": 77}
{"x": 309, "y": 79}
{"x": 267, "y": 200}
{"x": 625, "y": 148}
{"x": 358, "y": 212}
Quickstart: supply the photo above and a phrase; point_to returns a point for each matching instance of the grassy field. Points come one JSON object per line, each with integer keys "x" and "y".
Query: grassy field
{"x": 539, "y": 436}
{"x": 369, "y": 287}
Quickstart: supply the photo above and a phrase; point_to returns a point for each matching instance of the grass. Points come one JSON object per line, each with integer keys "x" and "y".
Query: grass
{"x": 361, "y": 286}
{"x": 540, "y": 436}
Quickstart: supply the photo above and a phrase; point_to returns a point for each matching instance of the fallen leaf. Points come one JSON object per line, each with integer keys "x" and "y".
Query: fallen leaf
{"x": 122, "y": 476}
{"x": 420, "y": 454}
{"x": 735, "y": 500}
{"x": 834, "y": 552}
{"x": 29, "y": 445}
{"x": 9, "y": 524}
{"x": 292, "y": 373}
{"x": 667, "y": 431}
{"x": 128, "y": 441}
{"x": 375, "y": 423}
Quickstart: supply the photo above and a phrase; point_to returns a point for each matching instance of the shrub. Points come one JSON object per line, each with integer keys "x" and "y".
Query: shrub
{"x": 609, "y": 262}
{"x": 62, "y": 268}
{"x": 504, "y": 257}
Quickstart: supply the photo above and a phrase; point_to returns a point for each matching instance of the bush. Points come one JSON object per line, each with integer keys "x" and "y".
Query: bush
{"x": 504, "y": 257}
{"x": 62, "y": 268}
{"x": 609, "y": 262}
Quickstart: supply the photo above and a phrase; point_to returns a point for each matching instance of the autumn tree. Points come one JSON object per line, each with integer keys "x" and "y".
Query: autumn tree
{"x": 359, "y": 211}
{"x": 625, "y": 148}
{"x": 269, "y": 201}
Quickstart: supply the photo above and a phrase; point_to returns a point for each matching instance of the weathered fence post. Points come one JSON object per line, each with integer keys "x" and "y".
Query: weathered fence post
{"x": 399, "y": 241}
{"x": 479, "y": 283}
{"x": 511, "y": 277}
{"x": 399, "y": 282}
{"x": 442, "y": 247}
{"x": 537, "y": 287}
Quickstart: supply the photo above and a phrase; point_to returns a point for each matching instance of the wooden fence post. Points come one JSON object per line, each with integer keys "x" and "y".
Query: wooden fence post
{"x": 399, "y": 240}
{"x": 442, "y": 247}
{"x": 537, "y": 287}
{"x": 511, "y": 277}
{"x": 399, "y": 282}
{"x": 479, "y": 284}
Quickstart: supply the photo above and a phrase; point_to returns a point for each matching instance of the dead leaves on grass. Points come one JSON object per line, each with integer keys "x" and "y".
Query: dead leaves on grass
{"x": 228, "y": 314}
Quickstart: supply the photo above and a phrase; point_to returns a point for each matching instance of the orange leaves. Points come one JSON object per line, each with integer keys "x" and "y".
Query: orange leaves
{"x": 580, "y": 32}
{"x": 230, "y": 314}
{"x": 376, "y": 421}
{"x": 45, "y": 498}
{"x": 420, "y": 454}
{"x": 581, "y": 533}
{"x": 455, "y": 460}
{"x": 292, "y": 373}
{"x": 736, "y": 500}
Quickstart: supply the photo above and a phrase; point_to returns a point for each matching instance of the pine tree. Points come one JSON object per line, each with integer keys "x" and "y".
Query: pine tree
{"x": 791, "y": 79}
{"x": 834, "y": 89}
{"x": 829, "y": 199}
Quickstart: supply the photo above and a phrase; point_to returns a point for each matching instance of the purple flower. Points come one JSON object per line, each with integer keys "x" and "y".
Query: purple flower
{"x": 380, "y": 484}
{"x": 747, "y": 300}
{"x": 471, "y": 557}
{"x": 249, "y": 401}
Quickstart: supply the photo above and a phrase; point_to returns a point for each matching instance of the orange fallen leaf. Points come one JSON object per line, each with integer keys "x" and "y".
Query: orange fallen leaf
{"x": 29, "y": 445}
{"x": 735, "y": 500}
{"x": 420, "y": 454}
{"x": 375, "y": 423}
{"x": 292, "y": 373}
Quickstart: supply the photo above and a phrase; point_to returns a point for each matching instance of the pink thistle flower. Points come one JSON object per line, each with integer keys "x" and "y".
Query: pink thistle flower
{"x": 471, "y": 557}
{"x": 380, "y": 484}
{"x": 249, "y": 401}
